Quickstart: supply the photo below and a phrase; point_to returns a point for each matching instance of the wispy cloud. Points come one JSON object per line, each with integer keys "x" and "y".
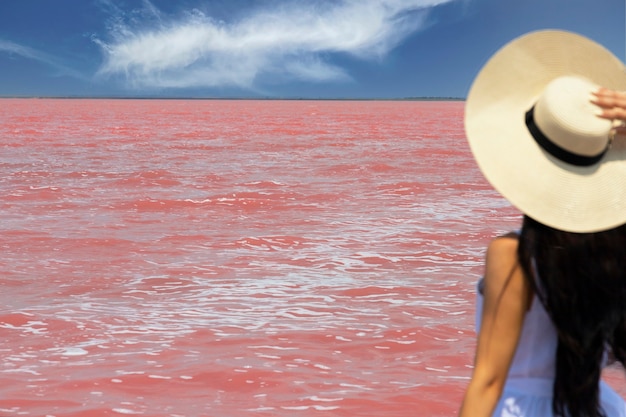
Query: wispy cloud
{"x": 24, "y": 51}
{"x": 291, "y": 40}
{"x": 36, "y": 55}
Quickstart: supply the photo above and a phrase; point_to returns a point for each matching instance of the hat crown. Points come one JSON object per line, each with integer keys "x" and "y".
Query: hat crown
{"x": 565, "y": 115}
{"x": 558, "y": 169}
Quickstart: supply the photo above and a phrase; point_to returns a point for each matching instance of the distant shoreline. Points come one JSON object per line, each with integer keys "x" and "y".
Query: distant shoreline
{"x": 231, "y": 98}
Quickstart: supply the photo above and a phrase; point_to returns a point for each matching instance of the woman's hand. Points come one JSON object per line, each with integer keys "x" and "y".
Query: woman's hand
{"x": 613, "y": 107}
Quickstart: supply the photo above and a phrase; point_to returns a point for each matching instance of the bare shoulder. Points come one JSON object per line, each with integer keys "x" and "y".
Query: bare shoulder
{"x": 503, "y": 272}
{"x": 504, "y": 247}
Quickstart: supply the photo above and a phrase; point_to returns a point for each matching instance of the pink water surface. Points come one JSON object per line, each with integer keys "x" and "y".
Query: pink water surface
{"x": 239, "y": 258}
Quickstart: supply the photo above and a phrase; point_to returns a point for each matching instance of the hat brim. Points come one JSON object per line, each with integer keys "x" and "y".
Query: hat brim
{"x": 557, "y": 194}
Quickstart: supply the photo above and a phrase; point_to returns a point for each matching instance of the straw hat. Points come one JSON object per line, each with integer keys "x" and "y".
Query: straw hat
{"x": 535, "y": 134}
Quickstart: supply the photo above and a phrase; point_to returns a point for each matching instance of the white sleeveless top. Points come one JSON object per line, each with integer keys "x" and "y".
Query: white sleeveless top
{"x": 535, "y": 356}
{"x": 530, "y": 381}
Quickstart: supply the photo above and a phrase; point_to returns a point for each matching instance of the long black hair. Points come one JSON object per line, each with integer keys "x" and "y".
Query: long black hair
{"x": 580, "y": 278}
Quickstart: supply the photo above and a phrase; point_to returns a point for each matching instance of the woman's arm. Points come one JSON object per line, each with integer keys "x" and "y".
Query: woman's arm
{"x": 507, "y": 297}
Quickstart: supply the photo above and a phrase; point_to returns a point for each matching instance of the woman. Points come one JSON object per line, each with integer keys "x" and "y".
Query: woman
{"x": 552, "y": 303}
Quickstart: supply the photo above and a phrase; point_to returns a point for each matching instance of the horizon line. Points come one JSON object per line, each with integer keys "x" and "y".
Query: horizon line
{"x": 149, "y": 97}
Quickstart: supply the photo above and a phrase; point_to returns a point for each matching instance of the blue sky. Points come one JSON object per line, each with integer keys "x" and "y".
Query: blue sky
{"x": 274, "y": 48}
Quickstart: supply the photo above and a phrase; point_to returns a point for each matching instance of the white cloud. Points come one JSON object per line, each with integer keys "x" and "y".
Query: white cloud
{"x": 36, "y": 55}
{"x": 291, "y": 40}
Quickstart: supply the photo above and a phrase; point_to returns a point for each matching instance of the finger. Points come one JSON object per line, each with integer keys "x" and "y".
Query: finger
{"x": 613, "y": 113}
{"x": 607, "y": 98}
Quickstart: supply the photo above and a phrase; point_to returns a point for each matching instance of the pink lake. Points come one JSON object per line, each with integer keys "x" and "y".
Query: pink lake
{"x": 239, "y": 258}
